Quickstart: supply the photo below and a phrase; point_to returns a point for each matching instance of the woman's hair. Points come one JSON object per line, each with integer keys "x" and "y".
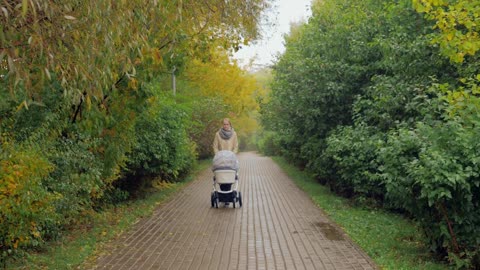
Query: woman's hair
{"x": 228, "y": 120}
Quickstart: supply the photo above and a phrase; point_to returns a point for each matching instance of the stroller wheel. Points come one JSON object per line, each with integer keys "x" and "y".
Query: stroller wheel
{"x": 212, "y": 199}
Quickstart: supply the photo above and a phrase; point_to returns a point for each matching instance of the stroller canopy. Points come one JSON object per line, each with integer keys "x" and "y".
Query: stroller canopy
{"x": 225, "y": 160}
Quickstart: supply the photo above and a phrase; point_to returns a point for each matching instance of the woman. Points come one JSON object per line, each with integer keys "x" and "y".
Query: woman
{"x": 225, "y": 138}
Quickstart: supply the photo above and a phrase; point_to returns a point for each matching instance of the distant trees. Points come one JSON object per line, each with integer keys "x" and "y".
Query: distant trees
{"x": 234, "y": 91}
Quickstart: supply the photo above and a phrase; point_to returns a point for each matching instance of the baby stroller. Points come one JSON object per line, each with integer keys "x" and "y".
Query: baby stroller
{"x": 225, "y": 179}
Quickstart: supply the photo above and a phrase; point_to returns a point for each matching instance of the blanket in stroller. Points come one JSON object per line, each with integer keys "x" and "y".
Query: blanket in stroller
{"x": 225, "y": 160}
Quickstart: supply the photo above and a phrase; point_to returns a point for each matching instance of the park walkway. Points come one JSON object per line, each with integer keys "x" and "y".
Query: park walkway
{"x": 278, "y": 227}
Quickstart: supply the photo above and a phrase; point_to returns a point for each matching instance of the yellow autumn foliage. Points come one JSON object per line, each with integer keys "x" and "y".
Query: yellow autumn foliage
{"x": 220, "y": 77}
{"x": 458, "y": 37}
{"x": 223, "y": 78}
{"x": 458, "y": 25}
{"x": 87, "y": 45}
{"x": 24, "y": 202}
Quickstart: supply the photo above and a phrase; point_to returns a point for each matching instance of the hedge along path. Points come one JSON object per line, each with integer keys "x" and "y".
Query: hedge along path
{"x": 278, "y": 227}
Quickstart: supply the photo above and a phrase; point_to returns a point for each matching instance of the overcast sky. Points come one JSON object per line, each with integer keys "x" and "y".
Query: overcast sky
{"x": 264, "y": 51}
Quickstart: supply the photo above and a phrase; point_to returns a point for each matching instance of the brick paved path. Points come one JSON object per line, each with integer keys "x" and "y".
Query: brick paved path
{"x": 278, "y": 227}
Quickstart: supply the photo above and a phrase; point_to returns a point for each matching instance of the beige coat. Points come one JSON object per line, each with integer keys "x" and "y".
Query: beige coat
{"x": 221, "y": 144}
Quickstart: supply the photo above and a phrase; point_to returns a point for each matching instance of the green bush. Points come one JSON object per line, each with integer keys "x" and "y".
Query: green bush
{"x": 353, "y": 160}
{"x": 163, "y": 148}
{"x": 433, "y": 172}
{"x": 108, "y": 125}
{"x": 69, "y": 164}
{"x": 27, "y": 211}
{"x": 77, "y": 164}
{"x": 205, "y": 114}
{"x": 268, "y": 144}
{"x": 77, "y": 176}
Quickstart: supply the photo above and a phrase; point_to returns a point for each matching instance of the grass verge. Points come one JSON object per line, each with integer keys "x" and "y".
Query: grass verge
{"x": 80, "y": 247}
{"x": 391, "y": 240}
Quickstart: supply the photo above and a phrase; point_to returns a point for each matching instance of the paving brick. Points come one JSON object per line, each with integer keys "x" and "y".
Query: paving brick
{"x": 278, "y": 227}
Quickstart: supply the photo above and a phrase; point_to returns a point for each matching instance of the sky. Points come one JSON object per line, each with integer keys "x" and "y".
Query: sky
{"x": 264, "y": 51}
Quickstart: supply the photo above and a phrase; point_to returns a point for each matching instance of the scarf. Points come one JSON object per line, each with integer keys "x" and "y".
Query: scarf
{"x": 225, "y": 134}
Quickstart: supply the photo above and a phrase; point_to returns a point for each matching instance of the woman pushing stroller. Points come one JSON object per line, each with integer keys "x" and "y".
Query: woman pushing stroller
{"x": 225, "y": 139}
{"x": 225, "y": 146}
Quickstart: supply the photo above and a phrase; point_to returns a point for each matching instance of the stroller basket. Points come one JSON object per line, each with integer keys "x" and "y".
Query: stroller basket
{"x": 225, "y": 176}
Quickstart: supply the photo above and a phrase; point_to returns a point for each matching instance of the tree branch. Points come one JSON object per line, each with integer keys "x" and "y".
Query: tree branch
{"x": 77, "y": 111}
{"x": 450, "y": 229}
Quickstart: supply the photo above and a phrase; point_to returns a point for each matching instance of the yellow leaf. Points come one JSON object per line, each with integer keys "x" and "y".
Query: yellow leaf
{"x": 449, "y": 36}
{"x": 23, "y": 104}
{"x": 88, "y": 101}
{"x": 36, "y": 234}
{"x": 133, "y": 84}
{"x": 157, "y": 56}
{"x": 475, "y": 90}
{"x": 24, "y": 7}
{"x": 11, "y": 187}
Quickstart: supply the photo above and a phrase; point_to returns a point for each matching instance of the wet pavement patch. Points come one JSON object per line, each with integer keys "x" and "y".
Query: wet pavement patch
{"x": 330, "y": 231}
